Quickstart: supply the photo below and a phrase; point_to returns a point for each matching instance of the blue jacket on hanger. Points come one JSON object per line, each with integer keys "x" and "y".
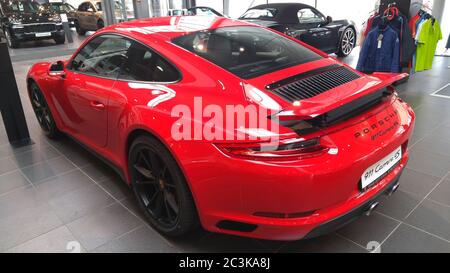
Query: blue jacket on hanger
{"x": 381, "y": 56}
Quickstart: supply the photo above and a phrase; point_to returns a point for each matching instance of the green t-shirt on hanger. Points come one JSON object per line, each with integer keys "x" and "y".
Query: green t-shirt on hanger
{"x": 429, "y": 37}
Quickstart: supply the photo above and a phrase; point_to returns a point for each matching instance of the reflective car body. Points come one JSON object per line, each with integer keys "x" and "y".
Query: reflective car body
{"x": 279, "y": 197}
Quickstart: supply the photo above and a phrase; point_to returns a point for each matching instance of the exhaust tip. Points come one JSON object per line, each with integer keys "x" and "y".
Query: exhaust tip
{"x": 372, "y": 207}
{"x": 394, "y": 189}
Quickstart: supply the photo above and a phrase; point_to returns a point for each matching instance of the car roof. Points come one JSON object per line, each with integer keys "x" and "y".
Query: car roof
{"x": 167, "y": 28}
{"x": 287, "y": 12}
{"x": 282, "y": 6}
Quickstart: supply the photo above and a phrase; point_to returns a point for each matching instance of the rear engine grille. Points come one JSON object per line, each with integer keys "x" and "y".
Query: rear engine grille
{"x": 305, "y": 86}
{"x": 39, "y": 28}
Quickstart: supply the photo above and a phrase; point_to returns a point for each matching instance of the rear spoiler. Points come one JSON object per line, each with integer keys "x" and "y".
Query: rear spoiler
{"x": 310, "y": 109}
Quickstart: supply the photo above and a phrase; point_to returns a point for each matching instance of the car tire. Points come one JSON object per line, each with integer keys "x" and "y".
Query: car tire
{"x": 160, "y": 187}
{"x": 347, "y": 42}
{"x": 79, "y": 29}
{"x": 100, "y": 24}
{"x": 12, "y": 43}
{"x": 60, "y": 40}
{"x": 43, "y": 113}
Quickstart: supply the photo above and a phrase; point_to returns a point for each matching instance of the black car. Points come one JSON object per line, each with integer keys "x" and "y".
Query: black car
{"x": 27, "y": 21}
{"x": 62, "y": 8}
{"x": 306, "y": 24}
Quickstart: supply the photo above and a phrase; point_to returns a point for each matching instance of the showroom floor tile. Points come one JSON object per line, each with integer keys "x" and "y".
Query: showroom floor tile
{"x": 54, "y": 193}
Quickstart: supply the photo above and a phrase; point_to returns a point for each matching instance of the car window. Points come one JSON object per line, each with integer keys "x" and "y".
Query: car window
{"x": 21, "y": 7}
{"x": 59, "y": 7}
{"x": 83, "y": 7}
{"x": 308, "y": 16}
{"x": 102, "y": 56}
{"x": 98, "y": 5}
{"x": 142, "y": 64}
{"x": 247, "y": 52}
{"x": 268, "y": 13}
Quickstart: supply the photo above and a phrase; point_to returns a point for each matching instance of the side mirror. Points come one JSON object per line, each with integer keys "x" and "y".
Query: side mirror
{"x": 329, "y": 19}
{"x": 57, "y": 69}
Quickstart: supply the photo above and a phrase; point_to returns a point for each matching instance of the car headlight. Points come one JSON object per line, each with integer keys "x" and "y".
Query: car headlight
{"x": 56, "y": 19}
{"x": 15, "y": 21}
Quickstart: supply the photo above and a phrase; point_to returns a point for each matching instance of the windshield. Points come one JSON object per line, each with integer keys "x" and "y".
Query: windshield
{"x": 268, "y": 13}
{"x": 247, "y": 52}
{"x": 61, "y": 7}
{"x": 21, "y": 7}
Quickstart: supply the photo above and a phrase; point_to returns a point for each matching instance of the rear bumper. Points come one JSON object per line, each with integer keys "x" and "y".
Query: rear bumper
{"x": 352, "y": 215}
{"x": 321, "y": 222}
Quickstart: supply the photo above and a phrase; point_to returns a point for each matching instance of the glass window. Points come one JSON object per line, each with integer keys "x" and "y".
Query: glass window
{"x": 83, "y": 7}
{"x": 98, "y": 5}
{"x": 308, "y": 16}
{"x": 268, "y": 13}
{"x": 247, "y": 52}
{"x": 21, "y": 7}
{"x": 57, "y": 7}
{"x": 142, "y": 64}
{"x": 102, "y": 56}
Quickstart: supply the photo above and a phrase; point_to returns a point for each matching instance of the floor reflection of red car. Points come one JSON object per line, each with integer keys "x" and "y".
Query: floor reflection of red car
{"x": 341, "y": 138}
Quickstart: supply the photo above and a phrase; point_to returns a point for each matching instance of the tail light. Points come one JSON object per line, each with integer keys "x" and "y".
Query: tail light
{"x": 292, "y": 149}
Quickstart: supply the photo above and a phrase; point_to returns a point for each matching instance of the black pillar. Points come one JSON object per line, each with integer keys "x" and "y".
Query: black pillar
{"x": 10, "y": 104}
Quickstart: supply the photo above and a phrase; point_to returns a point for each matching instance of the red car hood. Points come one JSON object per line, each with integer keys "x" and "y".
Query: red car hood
{"x": 329, "y": 100}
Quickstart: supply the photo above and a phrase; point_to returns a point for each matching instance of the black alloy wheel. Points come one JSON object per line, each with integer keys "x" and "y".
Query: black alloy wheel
{"x": 160, "y": 188}
{"x": 42, "y": 111}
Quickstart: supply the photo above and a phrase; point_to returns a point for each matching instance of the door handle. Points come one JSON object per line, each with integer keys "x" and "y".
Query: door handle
{"x": 97, "y": 105}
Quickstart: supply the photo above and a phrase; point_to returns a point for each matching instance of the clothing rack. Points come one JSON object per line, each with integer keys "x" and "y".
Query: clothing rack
{"x": 402, "y": 5}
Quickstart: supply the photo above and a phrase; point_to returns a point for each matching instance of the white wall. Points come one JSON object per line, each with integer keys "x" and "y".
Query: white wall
{"x": 75, "y": 3}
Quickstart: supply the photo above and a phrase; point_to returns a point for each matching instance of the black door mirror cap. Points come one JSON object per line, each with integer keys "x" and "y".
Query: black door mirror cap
{"x": 57, "y": 69}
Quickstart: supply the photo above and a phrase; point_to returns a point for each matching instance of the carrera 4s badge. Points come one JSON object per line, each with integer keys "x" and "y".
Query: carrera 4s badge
{"x": 381, "y": 127}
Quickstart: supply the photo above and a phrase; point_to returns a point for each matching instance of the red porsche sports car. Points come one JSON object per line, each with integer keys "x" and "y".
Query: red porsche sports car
{"x": 226, "y": 124}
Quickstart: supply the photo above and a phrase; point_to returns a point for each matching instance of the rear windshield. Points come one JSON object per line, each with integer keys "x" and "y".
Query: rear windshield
{"x": 247, "y": 52}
